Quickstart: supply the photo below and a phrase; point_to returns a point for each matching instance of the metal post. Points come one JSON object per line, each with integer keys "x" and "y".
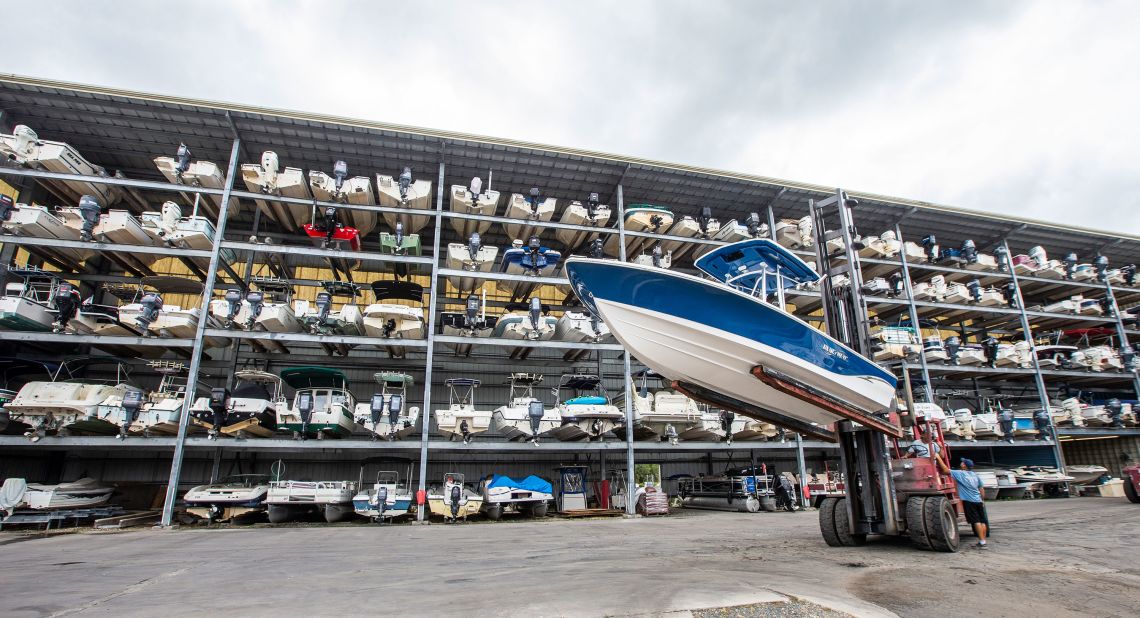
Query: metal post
{"x": 803, "y": 468}
{"x": 1120, "y": 332}
{"x": 630, "y": 506}
{"x": 779, "y": 280}
{"x": 927, "y": 387}
{"x": 196, "y": 353}
{"x": 230, "y": 380}
{"x": 1042, "y": 392}
{"x": 425, "y": 412}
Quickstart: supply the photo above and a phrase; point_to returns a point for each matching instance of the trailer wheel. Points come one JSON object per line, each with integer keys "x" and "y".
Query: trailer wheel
{"x": 941, "y": 524}
{"x": 827, "y": 522}
{"x": 843, "y": 526}
{"x": 1130, "y": 491}
{"x": 916, "y": 522}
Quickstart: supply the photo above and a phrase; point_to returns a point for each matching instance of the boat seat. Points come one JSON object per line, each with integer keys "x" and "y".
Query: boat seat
{"x": 592, "y": 400}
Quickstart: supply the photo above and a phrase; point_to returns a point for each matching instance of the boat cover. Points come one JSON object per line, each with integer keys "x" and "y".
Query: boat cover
{"x": 752, "y": 258}
{"x": 12, "y": 494}
{"x": 530, "y": 483}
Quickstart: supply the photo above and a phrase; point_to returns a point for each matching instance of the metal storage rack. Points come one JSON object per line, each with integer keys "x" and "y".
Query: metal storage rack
{"x": 122, "y": 130}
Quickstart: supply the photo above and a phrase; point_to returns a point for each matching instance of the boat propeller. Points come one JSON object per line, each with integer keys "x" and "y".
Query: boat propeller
{"x": 66, "y": 303}
{"x": 256, "y": 300}
{"x": 132, "y": 403}
{"x": 181, "y": 160}
{"x": 233, "y": 298}
{"x": 151, "y": 306}
{"x": 89, "y": 210}
{"x": 406, "y": 183}
{"x": 6, "y": 207}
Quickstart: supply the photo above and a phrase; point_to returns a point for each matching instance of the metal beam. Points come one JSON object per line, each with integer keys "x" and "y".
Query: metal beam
{"x": 426, "y": 412}
{"x": 73, "y": 339}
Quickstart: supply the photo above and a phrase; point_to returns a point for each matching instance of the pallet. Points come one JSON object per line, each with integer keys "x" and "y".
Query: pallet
{"x": 128, "y": 520}
{"x": 592, "y": 513}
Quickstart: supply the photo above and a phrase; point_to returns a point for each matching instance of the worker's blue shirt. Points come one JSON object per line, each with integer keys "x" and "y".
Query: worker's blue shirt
{"x": 969, "y": 485}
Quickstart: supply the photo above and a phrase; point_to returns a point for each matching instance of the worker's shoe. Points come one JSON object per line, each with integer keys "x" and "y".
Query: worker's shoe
{"x": 982, "y": 546}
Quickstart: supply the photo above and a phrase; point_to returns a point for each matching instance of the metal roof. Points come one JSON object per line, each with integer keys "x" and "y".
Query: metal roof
{"x": 125, "y": 130}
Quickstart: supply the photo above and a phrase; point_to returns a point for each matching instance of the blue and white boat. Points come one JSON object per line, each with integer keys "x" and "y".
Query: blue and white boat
{"x": 388, "y": 498}
{"x": 531, "y": 259}
{"x": 714, "y": 334}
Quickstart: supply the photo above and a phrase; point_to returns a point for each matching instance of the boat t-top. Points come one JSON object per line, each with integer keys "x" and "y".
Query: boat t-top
{"x": 524, "y": 417}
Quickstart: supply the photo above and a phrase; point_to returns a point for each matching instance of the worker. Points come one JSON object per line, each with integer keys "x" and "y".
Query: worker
{"x": 970, "y": 492}
{"x": 921, "y": 447}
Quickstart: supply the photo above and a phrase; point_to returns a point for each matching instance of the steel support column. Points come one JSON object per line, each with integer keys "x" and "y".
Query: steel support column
{"x": 1121, "y": 334}
{"x": 927, "y": 387}
{"x": 196, "y": 352}
{"x": 425, "y": 411}
{"x": 631, "y": 480}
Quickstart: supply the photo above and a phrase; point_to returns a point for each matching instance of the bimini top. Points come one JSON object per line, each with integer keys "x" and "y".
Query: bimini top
{"x": 742, "y": 264}
{"x": 314, "y": 377}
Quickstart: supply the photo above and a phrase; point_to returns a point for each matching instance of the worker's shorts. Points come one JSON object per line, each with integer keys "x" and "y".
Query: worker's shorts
{"x": 975, "y": 512}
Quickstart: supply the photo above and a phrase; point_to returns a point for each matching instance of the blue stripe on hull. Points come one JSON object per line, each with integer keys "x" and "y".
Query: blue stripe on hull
{"x": 718, "y": 307}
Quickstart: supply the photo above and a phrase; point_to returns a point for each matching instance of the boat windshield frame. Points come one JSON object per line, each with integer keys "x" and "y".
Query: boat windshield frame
{"x": 768, "y": 267}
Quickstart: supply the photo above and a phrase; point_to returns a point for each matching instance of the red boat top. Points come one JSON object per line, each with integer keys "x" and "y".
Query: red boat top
{"x": 343, "y": 234}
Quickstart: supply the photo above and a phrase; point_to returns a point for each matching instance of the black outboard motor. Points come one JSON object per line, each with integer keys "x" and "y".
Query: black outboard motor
{"x": 596, "y": 326}
{"x": 472, "y": 311}
{"x": 1009, "y": 292}
{"x": 1070, "y": 265}
{"x": 896, "y": 284}
{"x": 181, "y": 160}
{"x": 328, "y": 224}
{"x": 66, "y": 303}
{"x": 1041, "y": 424}
{"x": 592, "y": 204}
{"x": 1106, "y": 306}
{"x": 132, "y": 402}
{"x": 990, "y": 346}
{"x": 969, "y": 252}
{"x": 930, "y": 243}
{"x": 658, "y": 256}
{"x": 952, "y": 345}
{"x": 381, "y": 502}
{"x": 535, "y": 316}
{"x": 1101, "y": 265}
{"x": 703, "y": 221}
{"x": 726, "y": 419}
{"x": 1115, "y": 411}
{"x": 305, "y": 406}
{"x": 256, "y": 300}
{"x": 534, "y": 413}
{"x": 219, "y": 405}
{"x": 1005, "y": 421}
{"x": 1001, "y": 256}
{"x": 1128, "y": 271}
{"x": 785, "y": 493}
{"x": 456, "y": 496}
{"x": 465, "y": 431}
{"x": 89, "y": 210}
{"x": 975, "y": 288}
{"x": 389, "y": 328}
{"x": 405, "y": 183}
{"x": 151, "y": 305}
{"x": 6, "y": 207}
{"x": 474, "y": 244}
{"x": 233, "y": 298}
{"x": 395, "y": 405}
{"x": 753, "y": 224}
{"x": 595, "y": 250}
{"x": 340, "y": 173}
{"x": 534, "y": 245}
{"x": 670, "y": 433}
{"x": 376, "y": 408}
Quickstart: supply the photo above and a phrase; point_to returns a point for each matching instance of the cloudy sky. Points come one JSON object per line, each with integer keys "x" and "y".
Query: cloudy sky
{"x": 1026, "y": 108}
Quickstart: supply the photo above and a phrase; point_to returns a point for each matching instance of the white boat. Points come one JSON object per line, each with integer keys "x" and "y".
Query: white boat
{"x": 323, "y": 317}
{"x": 984, "y": 425}
{"x": 461, "y": 420}
{"x": 885, "y": 246}
{"x": 391, "y": 320}
{"x": 193, "y": 232}
{"x": 387, "y": 414}
{"x": 472, "y": 323}
{"x": 251, "y": 410}
{"x": 670, "y": 416}
{"x": 39, "y": 222}
{"x": 123, "y": 228}
{"x": 524, "y": 417}
{"x": 1072, "y": 411}
{"x": 322, "y": 406}
{"x": 388, "y": 498}
{"x": 707, "y": 228}
{"x": 685, "y": 227}
{"x": 530, "y": 496}
{"x": 341, "y": 189}
{"x": 268, "y": 308}
{"x": 1041, "y": 474}
{"x": 454, "y": 500}
{"x": 472, "y": 200}
{"x": 587, "y": 414}
{"x": 529, "y": 322}
{"x": 1068, "y": 305}
{"x": 592, "y": 214}
{"x": 180, "y": 170}
{"x": 957, "y": 293}
{"x": 292, "y": 500}
{"x": 640, "y": 218}
{"x": 933, "y": 350}
{"x": 404, "y": 193}
{"x": 581, "y": 327}
{"x": 70, "y": 407}
{"x": 795, "y": 233}
{"x": 267, "y": 178}
{"x": 234, "y": 496}
{"x": 895, "y": 342}
{"x": 1007, "y": 355}
{"x": 743, "y": 429}
{"x": 27, "y": 302}
{"x": 163, "y": 408}
{"x": 80, "y": 493}
{"x": 24, "y": 147}
{"x": 472, "y": 257}
{"x": 1084, "y": 474}
{"x": 932, "y": 290}
{"x": 736, "y": 231}
{"x": 971, "y": 354}
{"x": 531, "y": 208}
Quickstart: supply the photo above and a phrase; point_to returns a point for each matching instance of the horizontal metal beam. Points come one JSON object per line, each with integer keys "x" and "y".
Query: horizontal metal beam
{"x": 40, "y": 337}
{"x": 525, "y": 343}
{"x": 108, "y": 180}
{"x": 454, "y": 272}
{"x": 324, "y": 253}
{"x": 310, "y": 338}
{"x": 32, "y": 241}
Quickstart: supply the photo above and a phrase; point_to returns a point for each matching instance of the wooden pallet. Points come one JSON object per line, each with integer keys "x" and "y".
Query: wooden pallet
{"x": 592, "y": 513}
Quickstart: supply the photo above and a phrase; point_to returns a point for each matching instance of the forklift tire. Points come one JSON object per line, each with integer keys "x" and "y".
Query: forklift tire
{"x": 941, "y": 524}
{"x": 916, "y": 522}
{"x": 827, "y": 522}
{"x": 843, "y": 527}
{"x": 1130, "y": 492}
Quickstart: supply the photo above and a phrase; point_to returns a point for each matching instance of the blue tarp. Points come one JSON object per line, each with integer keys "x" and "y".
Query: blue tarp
{"x": 530, "y": 483}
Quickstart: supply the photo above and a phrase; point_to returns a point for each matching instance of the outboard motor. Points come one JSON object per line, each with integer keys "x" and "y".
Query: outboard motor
{"x": 595, "y": 250}
{"x": 658, "y": 256}
{"x": 151, "y": 305}
{"x": 1101, "y": 265}
{"x": 329, "y": 224}
{"x": 1009, "y": 292}
{"x": 753, "y": 224}
{"x": 1128, "y": 271}
{"x": 132, "y": 403}
{"x": 952, "y": 345}
{"x": 6, "y": 207}
{"x": 305, "y": 409}
{"x": 406, "y": 183}
{"x": 340, "y": 173}
{"x": 1037, "y": 254}
{"x": 181, "y": 160}
{"x": 670, "y": 433}
{"x": 472, "y": 311}
{"x": 596, "y": 326}
{"x": 727, "y": 417}
{"x": 703, "y": 221}
{"x": 456, "y": 495}
{"x": 269, "y": 166}
{"x": 534, "y": 246}
{"x": 474, "y": 245}
{"x": 930, "y": 243}
{"x": 1041, "y": 424}
{"x": 389, "y": 328}
{"x": 1070, "y": 265}
{"x": 975, "y": 288}
{"x": 1115, "y": 411}
{"x": 26, "y": 137}
{"x": 399, "y": 234}
{"x": 381, "y": 502}
{"x": 1128, "y": 357}
{"x": 476, "y": 188}
{"x": 1001, "y": 256}
{"x": 534, "y": 196}
{"x": 534, "y": 413}
{"x": 89, "y": 210}
{"x": 233, "y": 298}
{"x": 1005, "y": 421}
{"x": 395, "y": 405}
{"x": 535, "y": 317}
{"x": 895, "y": 281}
{"x": 376, "y": 408}
{"x": 66, "y": 302}
{"x": 465, "y": 431}
{"x": 990, "y": 346}
{"x": 592, "y": 204}
{"x": 256, "y": 300}
{"x": 324, "y": 305}
{"x": 969, "y": 252}
{"x": 219, "y": 404}
{"x": 1106, "y": 306}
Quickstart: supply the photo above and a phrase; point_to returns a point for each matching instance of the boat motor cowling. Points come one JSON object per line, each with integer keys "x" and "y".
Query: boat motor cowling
{"x": 340, "y": 173}
{"x": 89, "y": 210}
{"x": 952, "y": 345}
{"x": 969, "y": 252}
{"x": 1101, "y": 265}
{"x": 753, "y": 224}
{"x": 595, "y": 251}
{"x": 132, "y": 403}
{"x": 990, "y": 346}
{"x": 975, "y": 288}
{"x": 405, "y": 183}
{"x": 6, "y": 207}
{"x": 930, "y": 243}
{"x": 474, "y": 245}
{"x": 324, "y": 306}
{"x": 1115, "y": 410}
{"x": 256, "y": 300}
{"x": 151, "y": 306}
{"x": 219, "y": 404}
{"x": 1070, "y": 265}
{"x": 592, "y": 204}
{"x": 1001, "y": 256}
{"x": 66, "y": 302}
{"x": 395, "y": 405}
{"x": 476, "y": 188}
{"x": 534, "y": 413}
{"x": 535, "y": 314}
{"x": 233, "y": 298}
{"x": 181, "y": 160}
{"x": 376, "y": 408}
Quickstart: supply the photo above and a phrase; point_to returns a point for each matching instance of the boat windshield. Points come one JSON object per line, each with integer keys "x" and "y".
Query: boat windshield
{"x": 245, "y": 480}
{"x": 756, "y": 266}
